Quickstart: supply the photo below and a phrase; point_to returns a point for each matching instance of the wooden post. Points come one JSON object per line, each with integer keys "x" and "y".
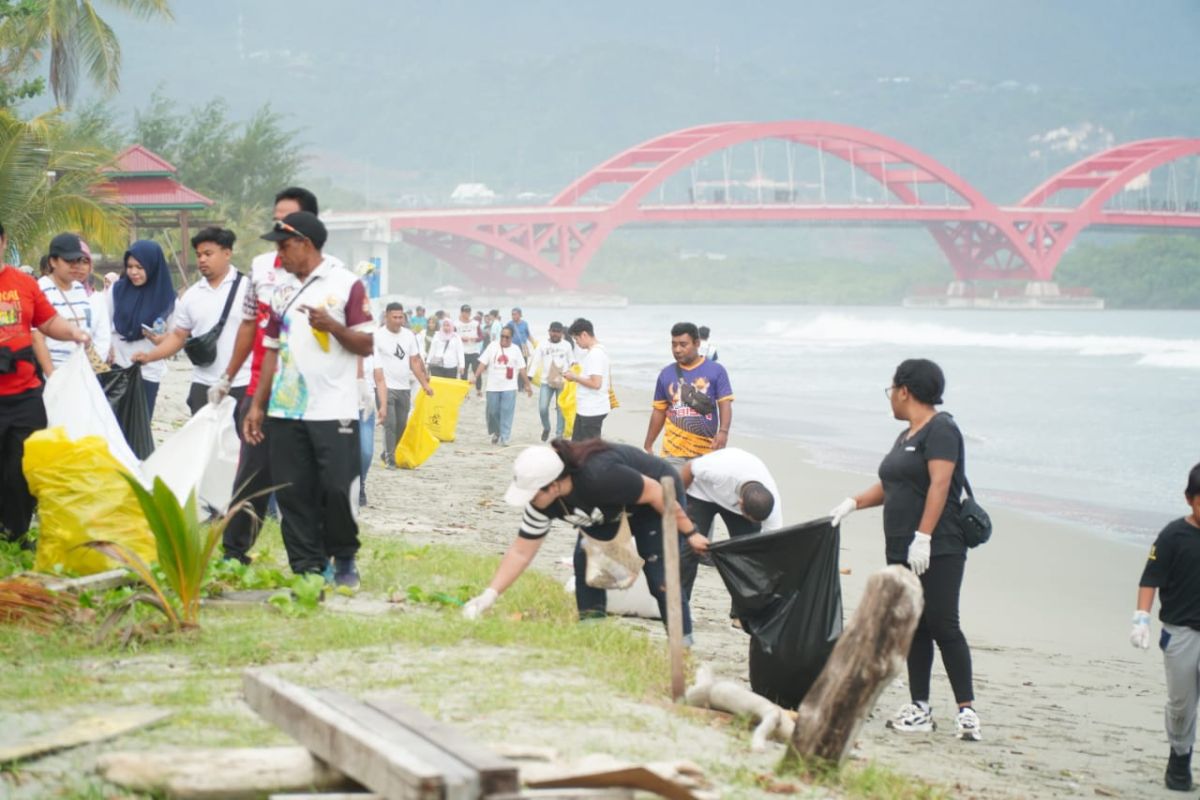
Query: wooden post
{"x": 867, "y": 657}
{"x": 670, "y": 535}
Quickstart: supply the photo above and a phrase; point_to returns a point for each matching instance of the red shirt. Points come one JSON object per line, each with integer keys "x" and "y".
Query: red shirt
{"x": 23, "y": 307}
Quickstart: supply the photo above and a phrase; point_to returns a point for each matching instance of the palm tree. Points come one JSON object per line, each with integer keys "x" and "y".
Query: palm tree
{"x": 79, "y": 38}
{"x": 51, "y": 182}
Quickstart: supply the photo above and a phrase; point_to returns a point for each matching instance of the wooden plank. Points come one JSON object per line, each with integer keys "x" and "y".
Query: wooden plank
{"x": 867, "y": 656}
{"x": 566, "y": 794}
{"x": 497, "y": 774}
{"x": 635, "y": 777}
{"x": 327, "y": 796}
{"x": 209, "y": 773}
{"x": 99, "y": 582}
{"x": 84, "y": 731}
{"x": 674, "y": 591}
{"x": 376, "y": 763}
{"x": 460, "y": 782}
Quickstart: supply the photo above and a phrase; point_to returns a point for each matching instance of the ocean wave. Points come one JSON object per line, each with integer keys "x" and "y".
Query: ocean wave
{"x": 840, "y": 330}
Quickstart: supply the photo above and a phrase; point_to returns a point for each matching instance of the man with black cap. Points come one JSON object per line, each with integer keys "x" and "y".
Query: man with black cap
{"x": 307, "y": 398}
{"x": 23, "y": 310}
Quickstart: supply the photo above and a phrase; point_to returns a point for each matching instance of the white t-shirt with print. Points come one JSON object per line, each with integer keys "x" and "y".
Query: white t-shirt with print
{"x": 593, "y": 402}
{"x": 560, "y": 353}
{"x": 470, "y": 333}
{"x": 199, "y": 311}
{"x": 718, "y": 476}
{"x": 74, "y": 305}
{"x": 392, "y": 354}
{"x": 123, "y": 351}
{"x": 312, "y": 383}
{"x": 501, "y": 362}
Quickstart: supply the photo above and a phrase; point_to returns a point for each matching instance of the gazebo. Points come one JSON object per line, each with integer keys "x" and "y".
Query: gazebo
{"x": 145, "y": 183}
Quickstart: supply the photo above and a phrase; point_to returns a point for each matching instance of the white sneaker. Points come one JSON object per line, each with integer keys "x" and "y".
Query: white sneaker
{"x": 912, "y": 718}
{"x": 967, "y": 725}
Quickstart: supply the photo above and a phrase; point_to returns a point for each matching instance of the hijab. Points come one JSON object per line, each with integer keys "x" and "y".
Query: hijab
{"x": 442, "y": 335}
{"x": 135, "y": 306}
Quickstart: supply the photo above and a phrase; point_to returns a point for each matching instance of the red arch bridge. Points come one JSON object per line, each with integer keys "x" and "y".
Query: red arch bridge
{"x": 821, "y": 173}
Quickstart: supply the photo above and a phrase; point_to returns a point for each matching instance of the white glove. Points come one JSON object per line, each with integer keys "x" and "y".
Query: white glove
{"x": 475, "y": 607}
{"x": 366, "y": 397}
{"x": 918, "y": 553}
{"x": 218, "y": 391}
{"x": 1140, "y": 635}
{"x": 843, "y": 510}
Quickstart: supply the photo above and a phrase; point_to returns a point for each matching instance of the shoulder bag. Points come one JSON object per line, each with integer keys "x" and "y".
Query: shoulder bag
{"x": 692, "y": 397}
{"x": 975, "y": 523}
{"x": 202, "y": 350}
{"x": 612, "y": 564}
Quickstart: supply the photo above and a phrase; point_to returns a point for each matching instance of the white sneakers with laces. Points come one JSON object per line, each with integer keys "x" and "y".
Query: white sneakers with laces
{"x": 913, "y": 718}
{"x": 918, "y": 718}
{"x": 967, "y": 725}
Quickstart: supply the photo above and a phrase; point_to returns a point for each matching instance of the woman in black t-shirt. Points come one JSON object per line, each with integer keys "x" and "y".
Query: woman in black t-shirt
{"x": 587, "y": 485}
{"x": 920, "y": 488}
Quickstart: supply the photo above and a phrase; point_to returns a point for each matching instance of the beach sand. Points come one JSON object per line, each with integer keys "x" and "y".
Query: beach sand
{"x": 1068, "y": 708}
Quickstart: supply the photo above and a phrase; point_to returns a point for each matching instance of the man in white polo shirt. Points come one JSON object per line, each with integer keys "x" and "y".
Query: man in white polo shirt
{"x": 398, "y": 357}
{"x": 213, "y": 304}
{"x": 307, "y": 398}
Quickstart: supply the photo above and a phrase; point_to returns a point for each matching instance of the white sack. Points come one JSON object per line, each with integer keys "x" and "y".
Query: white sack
{"x": 202, "y": 455}
{"x": 75, "y": 401}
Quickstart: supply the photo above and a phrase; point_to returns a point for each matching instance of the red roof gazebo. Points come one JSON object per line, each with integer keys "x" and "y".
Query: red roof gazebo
{"x": 145, "y": 183}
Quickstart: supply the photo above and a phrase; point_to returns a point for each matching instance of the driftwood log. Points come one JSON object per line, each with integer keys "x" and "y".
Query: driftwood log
{"x": 867, "y": 657}
{"x": 773, "y": 721}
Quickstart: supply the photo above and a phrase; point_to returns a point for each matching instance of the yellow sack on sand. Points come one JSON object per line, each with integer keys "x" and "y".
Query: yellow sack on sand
{"x": 81, "y": 497}
{"x": 434, "y": 420}
{"x": 440, "y": 412}
{"x": 567, "y": 402}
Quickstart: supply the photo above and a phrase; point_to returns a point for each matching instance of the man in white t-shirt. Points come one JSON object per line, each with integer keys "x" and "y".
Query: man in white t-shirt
{"x": 215, "y": 302}
{"x": 505, "y": 368}
{"x": 553, "y": 357}
{"x": 308, "y": 399}
{"x": 591, "y": 398}
{"x": 468, "y": 330}
{"x": 398, "y": 357}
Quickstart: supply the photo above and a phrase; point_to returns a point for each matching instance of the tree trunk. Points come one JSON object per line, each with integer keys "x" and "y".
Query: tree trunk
{"x": 868, "y": 655}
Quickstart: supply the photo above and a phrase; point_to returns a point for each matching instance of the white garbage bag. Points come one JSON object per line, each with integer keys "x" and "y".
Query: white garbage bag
{"x": 202, "y": 455}
{"x": 636, "y": 601}
{"x": 75, "y": 401}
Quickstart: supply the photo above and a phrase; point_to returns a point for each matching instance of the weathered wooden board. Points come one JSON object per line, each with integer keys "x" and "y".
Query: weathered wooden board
{"x": 868, "y": 655}
{"x": 360, "y": 741}
{"x": 674, "y": 588}
{"x": 83, "y": 731}
{"x": 221, "y": 773}
{"x": 634, "y": 777}
{"x": 496, "y": 774}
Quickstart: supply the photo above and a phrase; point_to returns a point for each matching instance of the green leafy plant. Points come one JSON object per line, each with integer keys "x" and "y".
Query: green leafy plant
{"x": 454, "y": 597}
{"x": 302, "y": 597}
{"x": 185, "y": 547}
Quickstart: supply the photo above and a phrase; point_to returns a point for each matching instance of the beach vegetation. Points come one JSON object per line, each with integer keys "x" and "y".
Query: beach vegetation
{"x": 76, "y": 37}
{"x": 1152, "y": 271}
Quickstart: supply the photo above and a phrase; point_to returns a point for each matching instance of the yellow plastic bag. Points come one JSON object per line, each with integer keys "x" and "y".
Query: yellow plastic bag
{"x": 416, "y": 445}
{"x": 440, "y": 412}
{"x": 81, "y": 497}
{"x": 567, "y": 402}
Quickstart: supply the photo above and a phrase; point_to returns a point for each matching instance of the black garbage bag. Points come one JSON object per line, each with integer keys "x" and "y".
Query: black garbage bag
{"x": 127, "y": 396}
{"x": 787, "y": 593}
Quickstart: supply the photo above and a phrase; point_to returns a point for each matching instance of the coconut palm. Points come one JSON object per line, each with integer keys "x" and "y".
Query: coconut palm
{"x": 79, "y": 39}
{"x": 52, "y": 182}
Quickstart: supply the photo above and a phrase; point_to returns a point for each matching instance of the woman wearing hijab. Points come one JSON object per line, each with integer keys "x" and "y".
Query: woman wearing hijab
{"x": 446, "y": 358}
{"x": 142, "y": 302}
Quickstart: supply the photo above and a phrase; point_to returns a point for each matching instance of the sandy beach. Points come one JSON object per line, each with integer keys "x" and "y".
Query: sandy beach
{"x": 1069, "y": 709}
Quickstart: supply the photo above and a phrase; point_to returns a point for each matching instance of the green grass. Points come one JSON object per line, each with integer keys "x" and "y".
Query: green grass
{"x": 599, "y": 674}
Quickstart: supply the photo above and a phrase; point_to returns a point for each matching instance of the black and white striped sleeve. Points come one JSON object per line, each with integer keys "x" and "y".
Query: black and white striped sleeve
{"x": 534, "y": 524}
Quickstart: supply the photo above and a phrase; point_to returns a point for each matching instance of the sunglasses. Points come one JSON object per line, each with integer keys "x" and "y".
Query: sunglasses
{"x": 283, "y": 227}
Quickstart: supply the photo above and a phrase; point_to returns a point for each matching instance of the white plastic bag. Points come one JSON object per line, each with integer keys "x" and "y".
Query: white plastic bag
{"x": 75, "y": 401}
{"x": 202, "y": 455}
{"x": 636, "y": 601}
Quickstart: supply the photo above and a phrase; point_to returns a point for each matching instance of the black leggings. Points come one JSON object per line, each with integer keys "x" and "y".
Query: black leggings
{"x": 939, "y": 623}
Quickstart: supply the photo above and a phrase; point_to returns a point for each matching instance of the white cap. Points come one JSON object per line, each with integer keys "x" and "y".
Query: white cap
{"x": 533, "y": 469}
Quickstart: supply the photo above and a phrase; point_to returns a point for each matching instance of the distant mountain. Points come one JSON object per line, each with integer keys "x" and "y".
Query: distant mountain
{"x": 525, "y": 95}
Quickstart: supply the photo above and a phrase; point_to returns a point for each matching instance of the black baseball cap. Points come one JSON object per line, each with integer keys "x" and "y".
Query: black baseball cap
{"x": 299, "y": 224}
{"x": 67, "y": 246}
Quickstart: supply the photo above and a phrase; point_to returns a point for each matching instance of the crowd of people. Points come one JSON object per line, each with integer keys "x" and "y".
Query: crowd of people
{"x": 294, "y": 342}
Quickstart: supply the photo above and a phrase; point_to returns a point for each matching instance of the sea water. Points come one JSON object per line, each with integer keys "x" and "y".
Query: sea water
{"x": 1088, "y": 416}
